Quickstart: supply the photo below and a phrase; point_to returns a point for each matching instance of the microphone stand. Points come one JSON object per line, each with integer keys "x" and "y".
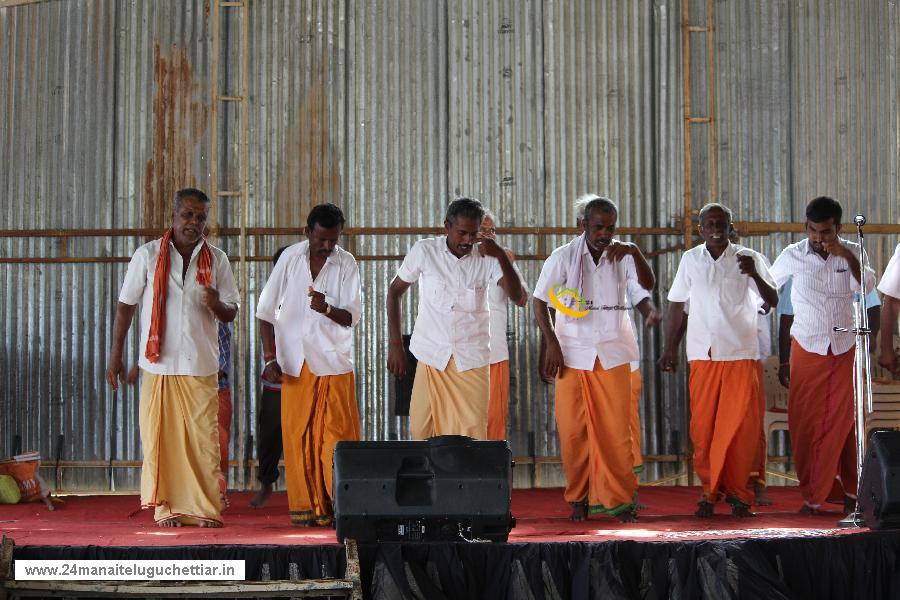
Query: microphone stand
{"x": 862, "y": 375}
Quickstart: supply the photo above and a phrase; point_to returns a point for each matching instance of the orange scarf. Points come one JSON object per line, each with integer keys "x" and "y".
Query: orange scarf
{"x": 161, "y": 289}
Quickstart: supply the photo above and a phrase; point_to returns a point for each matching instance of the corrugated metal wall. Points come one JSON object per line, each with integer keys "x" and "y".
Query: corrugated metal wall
{"x": 392, "y": 108}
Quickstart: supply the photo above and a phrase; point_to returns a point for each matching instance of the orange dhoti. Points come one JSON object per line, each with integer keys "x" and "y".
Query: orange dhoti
{"x": 316, "y": 413}
{"x": 498, "y": 405}
{"x": 635, "y": 421}
{"x": 724, "y": 426}
{"x": 180, "y": 439}
{"x": 820, "y": 418}
{"x": 449, "y": 402}
{"x": 758, "y": 473}
{"x": 593, "y": 415}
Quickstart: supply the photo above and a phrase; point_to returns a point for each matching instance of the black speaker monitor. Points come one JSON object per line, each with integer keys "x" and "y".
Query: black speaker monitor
{"x": 879, "y": 499}
{"x": 445, "y": 488}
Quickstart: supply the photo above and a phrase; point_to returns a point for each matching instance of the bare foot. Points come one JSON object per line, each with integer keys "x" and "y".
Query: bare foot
{"x": 224, "y": 501}
{"x": 261, "y": 497}
{"x": 211, "y": 524}
{"x": 49, "y": 503}
{"x": 760, "y": 497}
{"x": 629, "y": 516}
{"x": 170, "y": 522}
{"x": 704, "y": 509}
{"x": 806, "y": 509}
{"x": 741, "y": 510}
{"x": 579, "y": 511}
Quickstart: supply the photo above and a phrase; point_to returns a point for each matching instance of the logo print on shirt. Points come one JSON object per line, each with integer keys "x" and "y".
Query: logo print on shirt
{"x": 558, "y": 294}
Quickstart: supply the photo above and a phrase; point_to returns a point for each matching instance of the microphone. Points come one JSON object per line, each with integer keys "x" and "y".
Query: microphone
{"x": 859, "y": 220}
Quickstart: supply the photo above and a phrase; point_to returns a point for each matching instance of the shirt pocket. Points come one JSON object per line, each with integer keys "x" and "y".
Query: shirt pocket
{"x": 839, "y": 279}
{"x": 436, "y": 294}
{"x": 470, "y": 300}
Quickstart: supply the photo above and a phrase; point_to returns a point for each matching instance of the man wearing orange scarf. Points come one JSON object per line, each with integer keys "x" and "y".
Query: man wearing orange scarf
{"x": 184, "y": 286}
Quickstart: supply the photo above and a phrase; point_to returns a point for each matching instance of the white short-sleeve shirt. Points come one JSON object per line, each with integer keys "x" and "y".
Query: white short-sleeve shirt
{"x": 605, "y": 333}
{"x": 453, "y": 317}
{"x": 190, "y": 344}
{"x": 890, "y": 281}
{"x": 302, "y": 334}
{"x": 723, "y": 303}
{"x": 822, "y": 293}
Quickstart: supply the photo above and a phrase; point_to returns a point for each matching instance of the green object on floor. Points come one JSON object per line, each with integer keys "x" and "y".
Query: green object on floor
{"x": 9, "y": 490}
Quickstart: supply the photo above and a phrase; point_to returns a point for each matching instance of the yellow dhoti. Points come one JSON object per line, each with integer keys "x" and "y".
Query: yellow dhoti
{"x": 316, "y": 413}
{"x": 180, "y": 439}
{"x": 449, "y": 402}
{"x": 498, "y": 406}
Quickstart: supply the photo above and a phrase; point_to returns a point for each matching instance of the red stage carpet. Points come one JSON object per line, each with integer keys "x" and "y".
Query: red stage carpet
{"x": 542, "y": 516}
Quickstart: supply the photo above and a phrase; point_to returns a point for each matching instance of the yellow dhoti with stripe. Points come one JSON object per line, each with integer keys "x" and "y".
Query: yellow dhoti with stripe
{"x": 316, "y": 413}
{"x": 449, "y": 402}
{"x": 180, "y": 438}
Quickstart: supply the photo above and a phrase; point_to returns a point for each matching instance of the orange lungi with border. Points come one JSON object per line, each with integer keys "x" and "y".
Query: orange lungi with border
{"x": 635, "y": 422}
{"x": 724, "y": 425}
{"x": 498, "y": 405}
{"x": 316, "y": 413}
{"x": 820, "y": 418}
{"x": 758, "y": 474}
{"x": 180, "y": 440}
{"x": 593, "y": 416}
{"x": 449, "y": 402}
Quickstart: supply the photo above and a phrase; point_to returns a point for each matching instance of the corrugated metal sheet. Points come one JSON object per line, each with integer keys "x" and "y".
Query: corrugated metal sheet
{"x": 390, "y": 109}
{"x": 396, "y": 157}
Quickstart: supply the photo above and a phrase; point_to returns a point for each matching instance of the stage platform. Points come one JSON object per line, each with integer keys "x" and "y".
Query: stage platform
{"x": 668, "y": 553}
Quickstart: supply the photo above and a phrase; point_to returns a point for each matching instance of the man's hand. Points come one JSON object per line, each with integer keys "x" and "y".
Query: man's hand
{"x": 836, "y": 248}
{"x": 552, "y": 365}
{"x": 317, "y": 301}
{"x": 115, "y": 372}
{"x": 784, "y": 375}
{"x": 209, "y": 298}
{"x": 653, "y": 318}
{"x": 617, "y": 250}
{"x": 489, "y": 247}
{"x": 132, "y": 376}
{"x": 747, "y": 265}
{"x": 668, "y": 362}
{"x": 272, "y": 372}
{"x": 396, "y": 364}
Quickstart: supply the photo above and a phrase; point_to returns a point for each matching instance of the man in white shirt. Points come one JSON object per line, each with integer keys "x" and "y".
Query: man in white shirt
{"x": 307, "y": 311}
{"x": 825, "y": 274}
{"x": 498, "y": 406}
{"x": 723, "y": 283}
{"x": 890, "y": 287}
{"x": 451, "y": 336}
{"x": 184, "y": 285}
{"x": 589, "y": 350}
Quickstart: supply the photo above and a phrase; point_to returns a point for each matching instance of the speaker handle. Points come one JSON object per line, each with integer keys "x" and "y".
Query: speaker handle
{"x": 416, "y": 475}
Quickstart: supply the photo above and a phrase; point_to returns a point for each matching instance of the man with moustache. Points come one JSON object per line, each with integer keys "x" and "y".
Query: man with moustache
{"x": 723, "y": 283}
{"x": 588, "y": 351}
{"x": 451, "y": 337}
{"x": 307, "y": 311}
{"x": 184, "y": 286}
{"x": 825, "y": 276}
